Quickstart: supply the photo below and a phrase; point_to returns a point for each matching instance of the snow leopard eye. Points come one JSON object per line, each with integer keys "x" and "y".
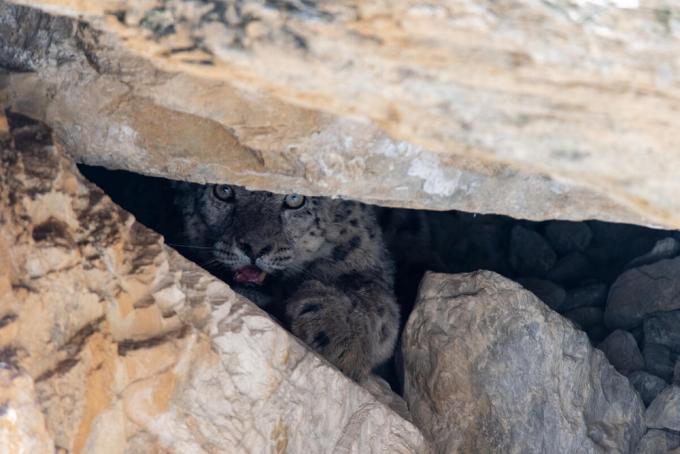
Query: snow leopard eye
{"x": 294, "y": 200}
{"x": 223, "y": 192}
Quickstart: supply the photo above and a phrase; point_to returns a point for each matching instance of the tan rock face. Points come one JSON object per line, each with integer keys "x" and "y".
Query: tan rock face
{"x": 22, "y": 425}
{"x": 111, "y": 342}
{"x": 535, "y": 110}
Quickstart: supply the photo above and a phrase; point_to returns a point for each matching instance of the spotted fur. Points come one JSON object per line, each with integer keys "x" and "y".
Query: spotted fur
{"x": 325, "y": 261}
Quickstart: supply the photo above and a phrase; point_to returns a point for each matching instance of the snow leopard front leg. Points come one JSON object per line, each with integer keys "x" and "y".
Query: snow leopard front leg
{"x": 352, "y": 322}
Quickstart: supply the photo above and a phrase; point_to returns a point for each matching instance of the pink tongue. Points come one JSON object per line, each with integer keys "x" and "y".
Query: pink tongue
{"x": 249, "y": 275}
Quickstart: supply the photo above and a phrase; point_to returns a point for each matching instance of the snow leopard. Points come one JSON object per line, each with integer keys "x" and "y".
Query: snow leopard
{"x": 321, "y": 260}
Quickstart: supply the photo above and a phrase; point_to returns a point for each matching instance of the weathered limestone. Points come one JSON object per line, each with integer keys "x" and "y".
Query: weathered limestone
{"x": 538, "y": 110}
{"x": 22, "y": 425}
{"x": 486, "y": 357}
{"x": 111, "y": 342}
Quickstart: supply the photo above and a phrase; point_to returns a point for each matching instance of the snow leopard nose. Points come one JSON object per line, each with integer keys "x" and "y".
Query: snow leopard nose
{"x": 254, "y": 251}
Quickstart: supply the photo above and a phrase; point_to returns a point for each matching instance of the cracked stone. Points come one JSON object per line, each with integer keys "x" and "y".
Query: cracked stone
{"x": 485, "y": 356}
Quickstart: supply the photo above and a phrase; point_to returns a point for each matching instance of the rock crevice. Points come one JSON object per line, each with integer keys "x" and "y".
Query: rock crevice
{"x": 111, "y": 341}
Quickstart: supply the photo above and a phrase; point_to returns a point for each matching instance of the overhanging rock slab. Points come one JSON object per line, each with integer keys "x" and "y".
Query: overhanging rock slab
{"x": 537, "y": 110}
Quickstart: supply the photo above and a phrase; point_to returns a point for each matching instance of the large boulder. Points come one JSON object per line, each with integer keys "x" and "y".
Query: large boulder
{"x": 125, "y": 346}
{"x": 368, "y": 99}
{"x": 490, "y": 368}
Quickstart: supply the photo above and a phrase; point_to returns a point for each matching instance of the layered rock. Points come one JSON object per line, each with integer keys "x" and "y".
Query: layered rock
{"x": 370, "y": 100}
{"x": 486, "y": 357}
{"x": 111, "y": 342}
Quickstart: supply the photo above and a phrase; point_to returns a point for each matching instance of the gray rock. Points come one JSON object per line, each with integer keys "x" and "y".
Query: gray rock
{"x": 659, "y": 442}
{"x": 659, "y": 360}
{"x": 642, "y": 291}
{"x": 530, "y": 253}
{"x": 664, "y": 411}
{"x": 663, "y": 249}
{"x": 638, "y": 334}
{"x": 587, "y": 295}
{"x": 566, "y": 236}
{"x": 597, "y": 334}
{"x": 676, "y": 372}
{"x": 622, "y": 351}
{"x": 571, "y": 268}
{"x": 586, "y": 317}
{"x": 490, "y": 368}
{"x": 382, "y": 392}
{"x": 663, "y": 329}
{"x": 550, "y": 293}
{"x": 647, "y": 385}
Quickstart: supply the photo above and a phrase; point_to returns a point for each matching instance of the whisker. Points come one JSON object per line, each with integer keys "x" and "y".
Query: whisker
{"x": 189, "y": 246}
{"x": 209, "y": 263}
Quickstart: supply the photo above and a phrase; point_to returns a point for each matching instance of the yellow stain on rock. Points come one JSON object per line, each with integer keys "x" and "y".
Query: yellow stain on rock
{"x": 164, "y": 388}
{"x": 280, "y": 437}
{"x": 100, "y": 355}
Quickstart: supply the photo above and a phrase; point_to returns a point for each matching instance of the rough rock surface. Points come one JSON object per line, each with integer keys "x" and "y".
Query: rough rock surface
{"x": 571, "y": 113}
{"x": 550, "y": 293}
{"x": 659, "y": 360}
{"x": 124, "y": 346}
{"x": 586, "y": 317}
{"x": 22, "y": 425}
{"x": 485, "y": 356}
{"x": 622, "y": 351}
{"x": 663, "y": 329}
{"x": 660, "y": 442}
{"x": 664, "y": 412}
{"x": 642, "y": 291}
{"x": 587, "y": 295}
{"x": 647, "y": 385}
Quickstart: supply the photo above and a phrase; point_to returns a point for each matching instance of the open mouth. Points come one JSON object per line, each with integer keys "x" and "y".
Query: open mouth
{"x": 249, "y": 275}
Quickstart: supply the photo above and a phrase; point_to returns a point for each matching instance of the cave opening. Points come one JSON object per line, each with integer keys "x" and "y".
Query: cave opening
{"x": 570, "y": 265}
